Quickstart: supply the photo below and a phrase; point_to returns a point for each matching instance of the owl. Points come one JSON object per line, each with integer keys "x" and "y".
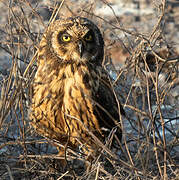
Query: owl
{"x": 72, "y": 98}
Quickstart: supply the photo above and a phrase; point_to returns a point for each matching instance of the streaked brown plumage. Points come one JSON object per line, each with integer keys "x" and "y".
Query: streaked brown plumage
{"x": 71, "y": 91}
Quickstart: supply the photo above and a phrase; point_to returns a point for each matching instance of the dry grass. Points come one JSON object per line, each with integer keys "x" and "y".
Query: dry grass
{"x": 145, "y": 85}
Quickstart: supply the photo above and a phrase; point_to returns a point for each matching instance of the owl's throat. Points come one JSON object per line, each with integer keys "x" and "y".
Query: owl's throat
{"x": 81, "y": 77}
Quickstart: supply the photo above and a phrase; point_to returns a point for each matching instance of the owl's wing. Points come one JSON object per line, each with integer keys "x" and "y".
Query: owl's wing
{"x": 47, "y": 100}
{"x": 106, "y": 109}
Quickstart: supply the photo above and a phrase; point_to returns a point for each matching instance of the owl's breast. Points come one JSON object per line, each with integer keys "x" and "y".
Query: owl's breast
{"x": 63, "y": 101}
{"x": 78, "y": 103}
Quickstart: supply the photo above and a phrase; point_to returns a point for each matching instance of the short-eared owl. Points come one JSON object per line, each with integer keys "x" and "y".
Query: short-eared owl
{"x": 72, "y": 96}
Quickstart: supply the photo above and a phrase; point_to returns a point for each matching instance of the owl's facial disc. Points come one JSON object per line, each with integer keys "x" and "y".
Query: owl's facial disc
{"x": 87, "y": 51}
{"x": 77, "y": 46}
{"x": 87, "y": 46}
{"x": 77, "y": 40}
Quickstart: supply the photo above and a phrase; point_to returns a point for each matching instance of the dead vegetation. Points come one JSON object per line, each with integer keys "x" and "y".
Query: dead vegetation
{"x": 146, "y": 84}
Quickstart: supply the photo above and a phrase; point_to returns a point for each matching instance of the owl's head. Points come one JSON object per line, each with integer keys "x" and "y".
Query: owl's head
{"x": 75, "y": 39}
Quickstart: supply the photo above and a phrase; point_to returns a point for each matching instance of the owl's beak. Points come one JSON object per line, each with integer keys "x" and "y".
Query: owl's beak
{"x": 81, "y": 48}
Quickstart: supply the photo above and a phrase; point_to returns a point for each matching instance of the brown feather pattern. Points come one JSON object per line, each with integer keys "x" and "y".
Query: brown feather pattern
{"x": 69, "y": 91}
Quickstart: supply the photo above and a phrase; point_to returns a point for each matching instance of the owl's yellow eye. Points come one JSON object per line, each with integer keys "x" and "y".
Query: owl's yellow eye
{"x": 66, "y": 38}
{"x": 89, "y": 37}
